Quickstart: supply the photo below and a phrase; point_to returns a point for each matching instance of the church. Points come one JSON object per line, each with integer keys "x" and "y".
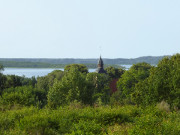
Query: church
{"x": 100, "y": 68}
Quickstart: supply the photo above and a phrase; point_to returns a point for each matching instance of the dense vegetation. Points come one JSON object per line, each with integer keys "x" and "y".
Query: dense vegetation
{"x": 73, "y": 101}
{"x": 80, "y": 120}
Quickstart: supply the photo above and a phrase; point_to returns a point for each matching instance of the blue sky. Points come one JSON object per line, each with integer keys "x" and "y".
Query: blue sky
{"x": 86, "y": 28}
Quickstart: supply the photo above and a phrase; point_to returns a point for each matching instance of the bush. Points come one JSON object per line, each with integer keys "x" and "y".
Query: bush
{"x": 87, "y": 127}
{"x": 163, "y": 106}
{"x": 89, "y": 120}
{"x": 25, "y": 96}
{"x": 155, "y": 122}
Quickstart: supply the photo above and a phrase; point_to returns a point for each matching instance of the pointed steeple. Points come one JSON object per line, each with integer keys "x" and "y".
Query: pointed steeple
{"x": 100, "y": 68}
{"x": 100, "y": 63}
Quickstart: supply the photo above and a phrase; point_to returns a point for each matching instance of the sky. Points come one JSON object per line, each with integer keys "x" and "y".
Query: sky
{"x": 88, "y": 28}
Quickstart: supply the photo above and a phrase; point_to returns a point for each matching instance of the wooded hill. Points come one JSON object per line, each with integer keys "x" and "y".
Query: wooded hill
{"x": 121, "y": 61}
{"x": 17, "y": 64}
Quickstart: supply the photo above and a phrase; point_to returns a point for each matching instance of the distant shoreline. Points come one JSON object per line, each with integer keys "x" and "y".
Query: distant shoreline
{"x": 17, "y": 64}
{"x": 62, "y": 62}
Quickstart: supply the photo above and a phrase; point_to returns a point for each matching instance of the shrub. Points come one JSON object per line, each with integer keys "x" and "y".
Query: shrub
{"x": 25, "y": 96}
{"x": 155, "y": 122}
{"x": 89, "y": 120}
{"x": 163, "y": 106}
{"x": 87, "y": 127}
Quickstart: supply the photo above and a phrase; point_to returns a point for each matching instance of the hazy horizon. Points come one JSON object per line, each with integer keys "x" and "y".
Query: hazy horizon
{"x": 86, "y": 29}
{"x": 84, "y": 58}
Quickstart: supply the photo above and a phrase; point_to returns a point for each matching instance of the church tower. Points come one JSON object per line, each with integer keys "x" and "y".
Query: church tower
{"x": 100, "y": 68}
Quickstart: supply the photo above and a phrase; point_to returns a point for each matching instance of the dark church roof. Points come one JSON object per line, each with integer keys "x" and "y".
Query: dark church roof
{"x": 100, "y": 68}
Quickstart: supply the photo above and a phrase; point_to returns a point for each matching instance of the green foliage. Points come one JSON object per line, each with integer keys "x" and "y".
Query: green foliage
{"x": 18, "y": 64}
{"x": 126, "y": 84}
{"x": 73, "y": 86}
{"x": 154, "y": 122}
{"x": 163, "y": 106}
{"x": 3, "y": 80}
{"x": 64, "y": 120}
{"x": 13, "y": 81}
{"x": 100, "y": 86}
{"x": 46, "y": 82}
{"x": 87, "y": 127}
{"x": 162, "y": 84}
{"x": 28, "y": 81}
{"x": 8, "y": 81}
{"x": 114, "y": 72}
{"x": 89, "y": 120}
{"x": 77, "y": 85}
{"x": 25, "y": 96}
{"x": 1, "y": 67}
{"x": 80, "y": 67}
{"x": 73, "y": 90}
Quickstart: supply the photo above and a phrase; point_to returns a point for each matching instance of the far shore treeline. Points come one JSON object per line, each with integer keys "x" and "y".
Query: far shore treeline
{"x": 61, "y": 63}
{"x": 65, "y": 61}
{"x": 144, "y": 101}
{"x": 15, "y": 64}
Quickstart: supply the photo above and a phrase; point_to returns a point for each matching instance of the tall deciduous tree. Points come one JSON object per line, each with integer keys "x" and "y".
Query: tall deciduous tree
{"x": 114, "y": 72}
{"x": 80, "y": 67}
{"x": 1, "y": 68}
{"x": 100, "y": 84}
{"x": 73, "y": 86}
{"x": 162, "y": 84}
{"x": 127, "y": 82}
{"x": 47, "y": 81}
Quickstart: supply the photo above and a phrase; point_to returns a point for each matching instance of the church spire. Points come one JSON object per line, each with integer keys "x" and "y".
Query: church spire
{"x": 100, "y": 68}
{"x": 100, "y": 63}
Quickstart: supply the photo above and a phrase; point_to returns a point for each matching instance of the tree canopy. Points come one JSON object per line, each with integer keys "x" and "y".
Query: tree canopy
{"x": 1, "y": 67}
{"x": 130, "y": 78}
{"x": 80, "y": 67}
{"x": 46, "y": 82}
{"x": 114, "y": 72}
{"x": 162, "y": 84}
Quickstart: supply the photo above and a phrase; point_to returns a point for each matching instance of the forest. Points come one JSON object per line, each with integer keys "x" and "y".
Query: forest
{"x": 64, "y": 61}
{"x": 76, "y": 102}
{"x": 19, "y": 64}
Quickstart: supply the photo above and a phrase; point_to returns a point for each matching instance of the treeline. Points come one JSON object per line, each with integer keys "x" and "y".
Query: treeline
{"x": 122, "y": 61}
{"x": 74, "y": 101}
{"x": 76, "y": 82}
{"x": 12, "y": 64}
{"x": 18, "y": 64}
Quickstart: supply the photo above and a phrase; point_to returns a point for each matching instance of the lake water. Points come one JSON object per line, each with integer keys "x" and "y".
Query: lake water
{"x": 29, "y": 72}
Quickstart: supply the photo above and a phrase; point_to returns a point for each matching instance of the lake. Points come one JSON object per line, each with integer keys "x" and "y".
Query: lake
{"x": 29, "y": 72}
